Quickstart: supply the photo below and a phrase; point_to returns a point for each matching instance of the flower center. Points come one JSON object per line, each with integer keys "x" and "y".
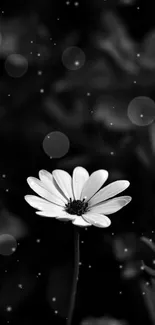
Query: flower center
{"x": 76, "y": 207}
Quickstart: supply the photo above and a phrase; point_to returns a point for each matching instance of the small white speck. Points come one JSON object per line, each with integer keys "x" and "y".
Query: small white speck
{"x": 120, "y": 266}
{"x": 135, "y": 82}
{"x": 42, "y": 91}
{"x": 88, "y": 94}
{"x": 125, "y": 250}
{"x": 142, "y": 268}
{"x": 39, "y": 73}
{"x": 111, "y": 123}
{"x": 77, "y": 63}
{"x": 76, "y": 4}
{"x": 82, "y": 241}
{"x": 80, "y": 263}
{"x": 120, "y": 292}
{"x": 38, "y": 54}
{"x": 89, "y": 266}
{"x": 20, "y": 286}
{"x": 56, "y": 311}
{"x": 54, "y": 299}
{"x": 147, "y": 283}
{"x": 143, "y": 293}
{"x": 8, "y": 308}
{"x": 138, "y": 55}
{"x": 31, "y": 42}
{"x": 38, "y": 240}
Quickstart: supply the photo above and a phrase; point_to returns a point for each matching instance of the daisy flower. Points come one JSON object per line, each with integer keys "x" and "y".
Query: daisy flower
{"x": 77, "y": 198}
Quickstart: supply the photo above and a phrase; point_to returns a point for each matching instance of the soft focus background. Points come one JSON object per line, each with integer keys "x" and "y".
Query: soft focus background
{"x": 77, "y": 88}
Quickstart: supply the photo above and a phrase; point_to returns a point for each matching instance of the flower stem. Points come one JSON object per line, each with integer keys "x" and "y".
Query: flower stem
{"x": 76, "y": 274}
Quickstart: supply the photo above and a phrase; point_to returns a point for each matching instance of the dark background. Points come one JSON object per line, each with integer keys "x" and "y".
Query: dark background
{"x": 114, "y": 286}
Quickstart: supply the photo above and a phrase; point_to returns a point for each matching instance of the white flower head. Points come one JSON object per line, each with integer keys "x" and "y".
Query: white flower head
{"x": 77, "y": 198}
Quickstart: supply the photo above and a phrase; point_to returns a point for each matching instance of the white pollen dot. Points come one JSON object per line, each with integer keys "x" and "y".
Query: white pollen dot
{"x": 56, "y": 311}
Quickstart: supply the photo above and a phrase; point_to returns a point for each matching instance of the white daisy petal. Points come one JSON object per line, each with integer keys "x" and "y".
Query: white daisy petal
{"x": 80, "y": 176}
{"x": 93, "y": 184}
{"x": 38, "y": 187}
{"x": 112, "y": 205}
{"x": 80, "y": 222}
{"x": 109, "y": 191}
{"x": 61, "y": 216}
{"x": 49, "y": 183}
{"x": 41, "y": 204}
{"x": 96, "y": 219}
{"x": 64, "y": 181}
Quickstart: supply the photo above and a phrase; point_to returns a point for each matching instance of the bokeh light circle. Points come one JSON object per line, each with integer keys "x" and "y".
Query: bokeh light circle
{"x": 56, "y": 144}
{"x": 16, "y": 65}
{"x": 8, "y": 244}
{"x": 141, "y": 111}
{"x": 73, "y": 58}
